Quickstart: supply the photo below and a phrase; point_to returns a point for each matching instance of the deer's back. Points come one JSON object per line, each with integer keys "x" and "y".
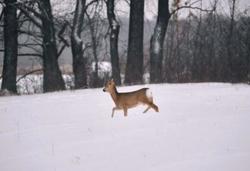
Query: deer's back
{"x": 133, "y": 98}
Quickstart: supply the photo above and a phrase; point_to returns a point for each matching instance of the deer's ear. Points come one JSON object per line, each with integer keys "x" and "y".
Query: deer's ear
{"x": 112, "y": 81}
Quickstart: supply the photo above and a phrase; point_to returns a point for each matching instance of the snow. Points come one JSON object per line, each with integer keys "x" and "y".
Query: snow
{"x": 104, "y": 68}
{"x": 33, "y": 83}
{"x": 199, "y": 127}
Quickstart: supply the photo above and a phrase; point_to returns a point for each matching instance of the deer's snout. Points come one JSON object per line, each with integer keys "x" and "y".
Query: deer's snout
{"x": 104, "y": 90}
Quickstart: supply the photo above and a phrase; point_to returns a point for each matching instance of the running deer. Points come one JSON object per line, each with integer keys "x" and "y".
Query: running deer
{"x": 124, "y": 101}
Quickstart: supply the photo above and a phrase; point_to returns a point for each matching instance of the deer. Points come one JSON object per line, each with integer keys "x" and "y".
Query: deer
{"x": 125, "y": 100}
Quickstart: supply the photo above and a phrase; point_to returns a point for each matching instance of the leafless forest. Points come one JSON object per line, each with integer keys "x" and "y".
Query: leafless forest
{"x": 208, "y": 45}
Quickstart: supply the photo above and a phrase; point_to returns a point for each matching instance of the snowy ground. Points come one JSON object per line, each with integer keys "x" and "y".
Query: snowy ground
{"x": 200, "y": 127}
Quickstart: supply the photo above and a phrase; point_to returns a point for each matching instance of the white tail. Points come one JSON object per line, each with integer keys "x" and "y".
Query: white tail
{"x": 128, "y": 100}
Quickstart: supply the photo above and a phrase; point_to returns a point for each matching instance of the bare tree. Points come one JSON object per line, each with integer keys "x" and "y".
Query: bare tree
{"x": 39, "y": 12}
{"x": 134, "y": 67}
{"x": 114, "y": 35}
{"x": 248, "y": 50}
{"x": 96, "y": 27}
{"x": 157, "y": 41}
{"x": 94, "y": 45}
{"x": 10, "y": 46}
{"x": 52, "y": 75}
{"x": 79, "y": 68}
{"x": 232, "y": 75}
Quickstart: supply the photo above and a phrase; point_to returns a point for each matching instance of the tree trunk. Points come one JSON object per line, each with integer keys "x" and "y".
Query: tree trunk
{"x": 232, "y": 75}
{"x": 197, "y": 50}
{"x": 134, "y": 68}
{"x": 10, "y": 46}
{"x": 79, "y": 68}
{"x": 53, "y": 80}
{"x": 248, "y": 53}
{"x": 157, "y": 41}
{"x": 115, "y": 28}
{"x": 94, "y": 48}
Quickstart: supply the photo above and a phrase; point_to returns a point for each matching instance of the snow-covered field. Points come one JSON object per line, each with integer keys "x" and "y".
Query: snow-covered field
{"x": 200, "y": 127}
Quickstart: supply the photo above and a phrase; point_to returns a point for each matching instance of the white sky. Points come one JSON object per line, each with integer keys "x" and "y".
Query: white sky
{"x": 64, "y": 6}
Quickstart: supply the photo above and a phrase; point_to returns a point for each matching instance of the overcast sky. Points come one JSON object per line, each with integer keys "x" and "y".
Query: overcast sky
{"x": 64, "y": 6}
{"x": 223, "y": 6}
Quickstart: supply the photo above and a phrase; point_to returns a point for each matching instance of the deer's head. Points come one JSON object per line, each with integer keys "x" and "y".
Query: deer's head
{"x": 109, "y": 86}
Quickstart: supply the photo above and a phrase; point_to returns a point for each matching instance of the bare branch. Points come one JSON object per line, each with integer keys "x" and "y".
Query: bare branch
{"x": 30, "y": 33}
{"x": 29, "y": 44}
{"x": 61, "y": 50}
{"x": 30, "y": 9}
{"x": 60, "y": 33}
{"x": 31, "y": 17}
{"x": 34, "y": 47}
{"x": 1, "y": 15}
{"x": 30, "y": 54}
{"x": 90, "y": 3}
{"x": 190, "y": 7}
{"x": 28, "y": 73}
{"x": 194, "y": 2}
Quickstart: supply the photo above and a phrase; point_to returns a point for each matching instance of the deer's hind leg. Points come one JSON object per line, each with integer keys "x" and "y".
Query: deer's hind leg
{"x": 146, "y": 109}
{"x": 125, "y": 111}
{"x": 151, "y": 105}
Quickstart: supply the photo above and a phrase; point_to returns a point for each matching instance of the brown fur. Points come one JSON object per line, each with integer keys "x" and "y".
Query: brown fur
{"x": 128, "y": 100}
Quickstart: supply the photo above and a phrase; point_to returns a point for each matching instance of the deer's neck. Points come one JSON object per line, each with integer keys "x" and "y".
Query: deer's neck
{"x": 114, "y": 94}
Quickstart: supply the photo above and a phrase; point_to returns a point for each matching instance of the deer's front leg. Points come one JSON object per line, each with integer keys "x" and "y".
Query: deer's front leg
{"x": 113, "y": 111}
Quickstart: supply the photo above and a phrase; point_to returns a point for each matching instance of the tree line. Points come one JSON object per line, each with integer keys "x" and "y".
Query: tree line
{"x": 208, "y": 47}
